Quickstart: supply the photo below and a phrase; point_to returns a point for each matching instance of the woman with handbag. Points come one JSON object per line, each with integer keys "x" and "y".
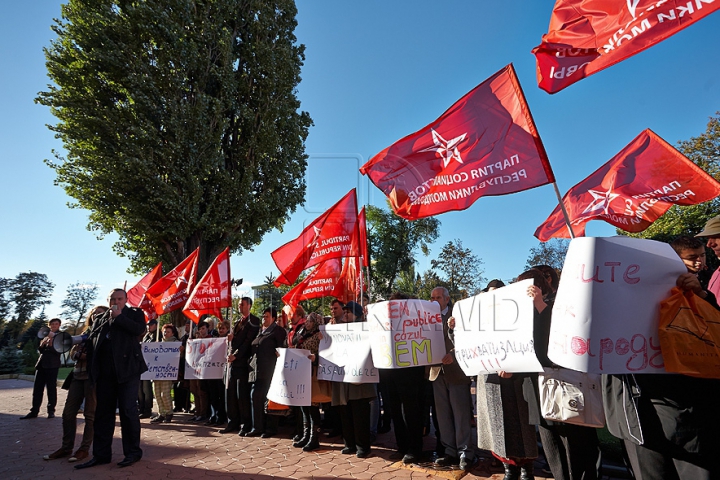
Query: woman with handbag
{"x": 308, "y": 336}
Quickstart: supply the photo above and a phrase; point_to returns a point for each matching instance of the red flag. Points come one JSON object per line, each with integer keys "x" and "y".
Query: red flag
{"x": 485, "y": 144}
{"x": 586, "y": 36}
{"x": 362, "y": 230}
{"x": 172, "y": 291}
{"x": 351, "y": 282}
{"x": 212, "y": 291}
{"x": 633, "y": 189}
{"x": 331, "y": 235}
{"x": 320, "y": 283}
{"x": 136, "y": 295}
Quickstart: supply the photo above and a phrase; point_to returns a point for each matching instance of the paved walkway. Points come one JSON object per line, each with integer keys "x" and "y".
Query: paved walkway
{"x": 183, "y": 450}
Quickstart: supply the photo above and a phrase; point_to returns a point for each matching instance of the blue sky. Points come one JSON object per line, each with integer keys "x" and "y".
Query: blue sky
{"x": 375, "y": 71}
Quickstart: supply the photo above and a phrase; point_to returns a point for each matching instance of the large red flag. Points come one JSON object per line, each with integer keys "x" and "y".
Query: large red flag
{"x": 586, "y": 36}
{"x": 172, "y": 291}
{"x": 213, "y": 291}
{"x": 321, "y": 282}
{"x": 136, "y": 295}
{"x": 633, "y": 189}
{"x": 485, "y": 144}
{"x": 331, "y": 235}
{"x": 362, "y": 231}
{"x": 351, "y": 282}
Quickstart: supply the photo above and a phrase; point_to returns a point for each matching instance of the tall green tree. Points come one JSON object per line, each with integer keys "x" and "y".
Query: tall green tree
{"x": 180, "y": 121}
{"x": 393, "y": 243}
{"x": 704, "y": 151}
{"x": 463, "y": 274}
{"x": 78, "y": 301}
{"x": 28, "y": 291}
{"x": 551, "y": 253}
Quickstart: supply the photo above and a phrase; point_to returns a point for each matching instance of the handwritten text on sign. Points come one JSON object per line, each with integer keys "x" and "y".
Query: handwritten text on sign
{"x": 205, "y": 358}
{"x": 345, "y": 354}
{"x": 291, "y": 383}
{"x": 605, "y": 318}
{"x": 163, "y": 360}
{"x": 405, "y": 333}
{"x": 494, "y": 331}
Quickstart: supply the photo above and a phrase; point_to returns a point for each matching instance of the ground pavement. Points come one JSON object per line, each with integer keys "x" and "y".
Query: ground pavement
{"x": 182, "y": 450}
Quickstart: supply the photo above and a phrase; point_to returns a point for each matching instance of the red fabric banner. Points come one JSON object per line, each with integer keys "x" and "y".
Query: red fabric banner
{"x": 351, "y": 282}
{"x": 172, "y": 291}
{"x": 136, "y": 295}
{"x": 362, "y": 230}
{"x": 321, "y": 282}
{"x": 485, "y": 144}
{"x": 331, "y": 235}
{"x": 213, "y": 291}
{"x": 632, "y": 190}
{"x": 586, "y": 36}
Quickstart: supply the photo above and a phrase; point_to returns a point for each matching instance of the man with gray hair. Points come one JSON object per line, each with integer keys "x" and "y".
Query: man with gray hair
{"x": 451, "y": 389}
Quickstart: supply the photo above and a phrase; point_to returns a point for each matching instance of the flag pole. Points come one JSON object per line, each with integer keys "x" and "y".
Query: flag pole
{"x": 562, "y": 207}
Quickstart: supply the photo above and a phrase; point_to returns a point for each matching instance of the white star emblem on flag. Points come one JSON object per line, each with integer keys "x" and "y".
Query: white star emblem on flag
{"x": 446, "y": 148}
{"x": 601, "y": 201}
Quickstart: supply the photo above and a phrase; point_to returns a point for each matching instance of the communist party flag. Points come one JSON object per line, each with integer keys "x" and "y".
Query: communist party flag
{"x": 351, "y": 281}
{"x": 362, "y": 237}
{"x": 633, "y": 189}
{"x": 136, "y": 295}
{"x": 331, "y": 235}
{"x": 485, "y": 144}
{"x": 586, "y": 36}
{"x": 321, "y": 282}
{"x": 213, "y": 291}
{"x": 172, "y": 291}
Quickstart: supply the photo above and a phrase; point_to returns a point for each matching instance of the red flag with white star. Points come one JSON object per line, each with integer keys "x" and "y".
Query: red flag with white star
{"x": 136, "y": 295}
{"x": 172, "y": 291}
{"x": 331, "y": 235}
{"x": 485, "y": 144}
{"x": 632, "y": 190}
{"x": 586, "y": 36}
{"x": 212, "y": 291}
{"x": 321, "y": 282}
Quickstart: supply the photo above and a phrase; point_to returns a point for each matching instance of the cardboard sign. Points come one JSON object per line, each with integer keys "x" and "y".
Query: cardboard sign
{"x": 494, "y": 331}
{"x": 291, "y": 383}
{"x": 163, "y": 360}
{"x": 405, "y": 333}
{"x": 206, "y": 358}
{"x": 344, "y": 353}
{"x": 605, "y": 318}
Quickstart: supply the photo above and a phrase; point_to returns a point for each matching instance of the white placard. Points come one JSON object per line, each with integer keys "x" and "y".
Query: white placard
{"x": 494, "y": 331}
{"x": 206, "y": 358}
{"x": 344, "y": 353}
{"x": 607, "y": 308}
{"x": 405, "y": 333}
{"x": 291, "y": 383}
{"x": 163, "y": 360}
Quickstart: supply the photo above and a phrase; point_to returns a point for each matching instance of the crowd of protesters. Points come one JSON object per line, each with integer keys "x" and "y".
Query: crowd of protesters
{"x": 672, "y": 432}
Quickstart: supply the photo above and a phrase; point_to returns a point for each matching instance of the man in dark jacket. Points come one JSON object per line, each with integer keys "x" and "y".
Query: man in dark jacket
{"x": 46, "y": 373}
{"x": 116, "y": 363}
{"x": 238, "y": 392}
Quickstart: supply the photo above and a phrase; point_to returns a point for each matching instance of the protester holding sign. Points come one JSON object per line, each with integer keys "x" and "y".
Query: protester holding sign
{"x": 216, "y": 386}
{"x": 199, "y": 387}
{"x": 670, "y": 423}
{"x": 163, "y": 387}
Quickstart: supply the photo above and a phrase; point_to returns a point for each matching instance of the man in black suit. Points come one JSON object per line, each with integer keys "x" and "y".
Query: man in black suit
{"x": 46, "y": 373}
{"x": 238, "y": 391}
{"x": 116, "y": 363}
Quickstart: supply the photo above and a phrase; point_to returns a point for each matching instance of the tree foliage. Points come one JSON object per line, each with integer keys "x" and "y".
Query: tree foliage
{"x": 27, "y": 292}
{"x": 551, "y": 253}
{"x": 77, "y": 303}
{"x": 463, "y": 275}
{"x": 392, "y": 245}
{"x": 180, "y": 121}
{"x": 704, "y": 151}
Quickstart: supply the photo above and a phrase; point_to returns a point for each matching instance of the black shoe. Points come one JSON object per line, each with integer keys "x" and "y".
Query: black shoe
{"x": 29, "y": 415}
{"x": 512, "y": 472}
{"x": 527, "y": 471}
{"x": 229, "y": 429}
{"x": 210, "y": 421}
{"x": 253, "y": 433}
{"x": 127, "y": 461}
{"x": 467, "y": 464}
{"x": 447, "y": 461}
{"x": 158, "y": 419}
{"x": 93, "y": 462}
{"x": 243, "y": 433}
{"x": 410, "y": 458}
{"x": 362, "y": 453}
{"x": 348, "y": 451}
{"x": 51, "y": 415}
{"x": 144, "y": 415}
{"x": 396, "y": 456}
